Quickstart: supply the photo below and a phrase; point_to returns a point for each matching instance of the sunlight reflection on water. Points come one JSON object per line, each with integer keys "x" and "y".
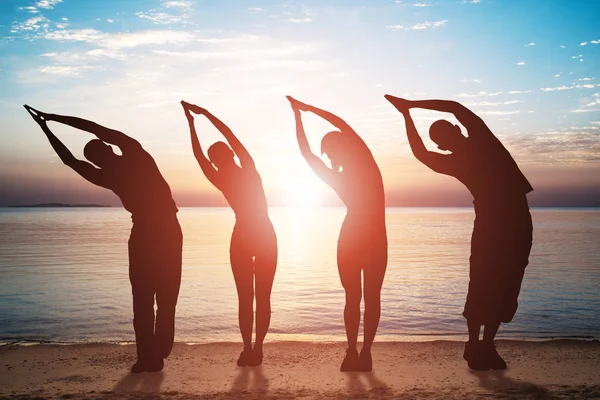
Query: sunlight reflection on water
{"x": 63, "y": 275}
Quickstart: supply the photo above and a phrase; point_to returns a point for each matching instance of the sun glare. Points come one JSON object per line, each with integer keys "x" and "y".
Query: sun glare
{"x": 302, "y": 191}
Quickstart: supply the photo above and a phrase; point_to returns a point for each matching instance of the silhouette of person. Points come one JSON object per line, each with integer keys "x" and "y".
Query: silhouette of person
{"x": 253, "y": 248}
{"x": 502, "y": 234}
{"x": 362, "y": 244}
{"x": 155, "y": 243}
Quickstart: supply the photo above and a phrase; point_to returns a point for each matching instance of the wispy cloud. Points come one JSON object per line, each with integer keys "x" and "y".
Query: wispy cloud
{"x": 561, "y": 88}
{"x": 121, "y": 40}
{"x": 32, "y": 24}
{"x": 530, "y": 44}
{"x": 418, "y": 26}
{"x": 500, "y": 112}
{"x": 421, "y": 5}
{"x": 471, "y": 80}
{"x": 492, "y": 104}
{"x": 518, "y": 91}
{"x": 300, "y": 20}
{"x": 479, "y": 94}
{"x": 586, "y": 110}
{"x": 64, "y": 70}
{"x": 47, "y": 4}
{"x": 161, "y": 18}
{"x": 521, "y": 63}
{"x": 177, "y": 4}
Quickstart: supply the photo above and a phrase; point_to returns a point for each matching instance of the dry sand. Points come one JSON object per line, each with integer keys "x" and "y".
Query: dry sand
{"x": 559, "y": 369}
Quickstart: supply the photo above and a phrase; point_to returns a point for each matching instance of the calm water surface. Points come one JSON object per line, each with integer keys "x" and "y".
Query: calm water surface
{"x": 64, "y": 275}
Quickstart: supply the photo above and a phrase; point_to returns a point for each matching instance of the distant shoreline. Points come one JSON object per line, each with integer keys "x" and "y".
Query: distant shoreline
{"x": 58, "y": 205}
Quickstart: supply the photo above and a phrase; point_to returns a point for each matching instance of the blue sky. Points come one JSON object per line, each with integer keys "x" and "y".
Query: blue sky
{"x": 529, "y": 68}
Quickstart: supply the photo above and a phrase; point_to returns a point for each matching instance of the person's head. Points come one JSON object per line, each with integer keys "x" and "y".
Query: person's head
{"x": 337, "y": 148}
{"x": 446, "y": 135}
{"x": 221, "y": 155}
{"x": 99, "y": 153}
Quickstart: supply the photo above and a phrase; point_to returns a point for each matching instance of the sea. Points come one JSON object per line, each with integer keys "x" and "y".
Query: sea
{"x": 64, "y": 276}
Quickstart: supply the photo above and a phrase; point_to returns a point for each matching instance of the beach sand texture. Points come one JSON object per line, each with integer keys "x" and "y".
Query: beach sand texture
{"x": 557, "y": 369}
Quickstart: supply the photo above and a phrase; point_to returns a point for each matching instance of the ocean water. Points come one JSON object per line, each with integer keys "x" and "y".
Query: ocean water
{"x": 64, "y": 276}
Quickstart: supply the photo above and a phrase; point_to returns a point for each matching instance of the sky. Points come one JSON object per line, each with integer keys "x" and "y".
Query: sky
{"x": 530, "y": 69}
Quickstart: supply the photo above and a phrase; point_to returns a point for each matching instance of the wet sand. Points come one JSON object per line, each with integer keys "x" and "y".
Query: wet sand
{"x": 557, "y": 369}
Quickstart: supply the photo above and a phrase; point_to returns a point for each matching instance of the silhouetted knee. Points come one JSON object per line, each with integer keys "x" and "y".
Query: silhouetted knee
{"x": 166, "y": 311}
{"x": 353, "y": 299}
{"x": 372, "y": 302}
{"x": 263, "y": 303}
{"x": 246, "y": 301}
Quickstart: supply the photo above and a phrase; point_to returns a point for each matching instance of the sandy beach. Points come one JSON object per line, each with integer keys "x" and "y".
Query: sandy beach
{"x": 558, "y": 369}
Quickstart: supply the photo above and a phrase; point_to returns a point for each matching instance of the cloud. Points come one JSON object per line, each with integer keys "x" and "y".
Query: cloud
{"x": 557, "y": 76}
{"x": 492, "y": 104}
{"x": 33, "y": 24}
{"x": 586, "y": 79}
{"x": 161, "y": 18}
{"x": 479, "y": 94}
{"x": 244, "y": 52}
{"x": 521, "y": 63}
{"x": 421, "y": 5}
{"x": 557, "y": 88}
{"x": 530, "y": 44}
{"x": 518, "y": 91}
{"x": 64, "y": 70}
{"x": 47, "y": 4}
{"x": 122, "y": 40}
{"x": 300, "y": 20}
{"x": 30, "y": 9}
{"x": 585, "y": 110}
{"x": 471, "y": 80}
{"x": 576, "y": 146}
{"x": 418, "y": 26}
{"x": 500, "y": 112}
{"x": 177, "y": 4}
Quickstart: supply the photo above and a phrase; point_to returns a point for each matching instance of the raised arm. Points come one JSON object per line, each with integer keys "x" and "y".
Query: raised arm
{"x": 466, "y": 117}
{"x": 103, "y": 133}
{"x": 209, "y": 170}
{"x": 83, "y": 168}
{"x": 326, "y": 115}
{"x": 325, "y": 173}
{"x": 438, "y": 162}
{"x": 237, "y": 146}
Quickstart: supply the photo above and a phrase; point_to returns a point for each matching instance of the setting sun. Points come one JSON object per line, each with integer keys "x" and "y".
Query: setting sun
{"x": 302, "y": 190}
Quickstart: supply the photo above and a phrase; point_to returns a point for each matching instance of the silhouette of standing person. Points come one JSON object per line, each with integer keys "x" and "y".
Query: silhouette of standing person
{"x": 253, "y": 248}
{"x": 155, "y": 243}
{"x": 362, "y": 244}
{"x": 502, "y": 234}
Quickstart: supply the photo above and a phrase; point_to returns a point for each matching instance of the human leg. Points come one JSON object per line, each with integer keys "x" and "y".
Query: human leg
{"x": 142, "y": 290}
{"x": 242, "y": 268}
{"x": 373, "y": 281}
{"x": 167, "y": 291}
{"x": 265, "y": 265}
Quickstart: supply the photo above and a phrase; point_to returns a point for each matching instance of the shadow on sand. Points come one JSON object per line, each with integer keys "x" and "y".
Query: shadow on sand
{"x": 250, "y": 380}
{"x": 144, "y": 383}
{"x": 502, "y": 385}
{"x": 367, "y": 385}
